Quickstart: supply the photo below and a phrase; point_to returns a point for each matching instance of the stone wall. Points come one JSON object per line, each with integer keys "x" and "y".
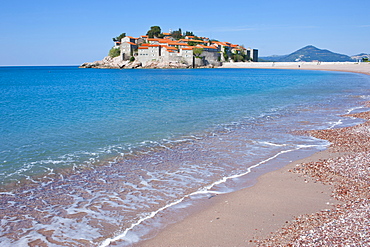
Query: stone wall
{"x": 211, "y": 58}
{"x": 199, "y": 62}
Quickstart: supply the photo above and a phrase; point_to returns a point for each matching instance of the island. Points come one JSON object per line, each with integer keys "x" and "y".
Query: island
{"x": 174, "y": 49}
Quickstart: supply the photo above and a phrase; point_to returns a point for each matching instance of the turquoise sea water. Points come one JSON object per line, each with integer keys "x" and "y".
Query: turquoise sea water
{"x": 118, "y": 146}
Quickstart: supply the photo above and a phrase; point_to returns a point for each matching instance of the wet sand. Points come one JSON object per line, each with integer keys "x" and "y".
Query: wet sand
{"x": 243, "y": 217}
{"x": 318, "y": 201}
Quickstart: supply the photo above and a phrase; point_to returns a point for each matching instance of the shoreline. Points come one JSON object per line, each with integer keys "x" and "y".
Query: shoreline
{"x": 353, "y": 67}
{"x": 241, "y": 218}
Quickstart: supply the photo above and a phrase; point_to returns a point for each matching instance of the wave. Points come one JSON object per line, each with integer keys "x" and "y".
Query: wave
{"x": 202, "y": 191}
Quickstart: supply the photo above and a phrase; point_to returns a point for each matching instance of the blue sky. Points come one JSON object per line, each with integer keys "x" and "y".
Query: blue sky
{"x": 72, "y": 32}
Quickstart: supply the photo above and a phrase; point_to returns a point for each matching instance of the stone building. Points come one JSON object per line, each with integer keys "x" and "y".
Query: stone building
{"x": 253, "y": 54}
{"x": 147, "y": 50}
{"x": 128, "y": 50}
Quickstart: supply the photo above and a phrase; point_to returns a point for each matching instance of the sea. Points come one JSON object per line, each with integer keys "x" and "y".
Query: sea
{"x": 99, "y": 157}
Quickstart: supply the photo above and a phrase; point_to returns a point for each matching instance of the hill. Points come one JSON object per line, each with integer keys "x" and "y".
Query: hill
{"x": 360, "y": 56}
{"x": 308, "y": 54}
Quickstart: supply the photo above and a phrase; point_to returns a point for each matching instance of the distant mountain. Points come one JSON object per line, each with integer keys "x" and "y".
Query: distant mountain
{"x": 360, "y": 56}
{"x": 273, "y": 58}
{"x": 308, "y": 54}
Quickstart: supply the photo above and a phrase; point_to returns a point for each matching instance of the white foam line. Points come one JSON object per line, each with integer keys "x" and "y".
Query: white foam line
{"x": 348, "y": 112}
{"x": 204, "y": 190}
{"x": 249, "y": 169}
{"x": 7, "y": 193}
{"x": 151, "y": 215}
{"x": 354, "y": 108}
{"x": 274, "y": 144}
{"x": 335, "y": 124}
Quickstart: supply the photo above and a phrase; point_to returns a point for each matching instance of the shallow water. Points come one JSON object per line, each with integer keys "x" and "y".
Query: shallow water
{"x": 89, "y": 157}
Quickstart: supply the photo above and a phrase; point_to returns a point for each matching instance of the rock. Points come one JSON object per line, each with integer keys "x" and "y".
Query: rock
{"x": 136, "y": 64}
{"x": 122, "y": 64}
{"x": 133, "y": 65}
{"x": 117, "y": 63}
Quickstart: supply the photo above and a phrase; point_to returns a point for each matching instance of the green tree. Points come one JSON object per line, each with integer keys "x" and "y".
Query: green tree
{"x": 226, "y": 53}
{"x": 226, "y": 56}
{"x": 188, "y": 33}
{"x": 197, "y": 52}
{"x": 244, "y": 56}
{"x": 237, "y": 58}
{"x": 154, "y": 31}
{"x": 365, "y": 59}
{"x": 114, "y": 52}
{"x": 192, "y": 43}
{"x": 177, "y": 34}
{"x": 118, "y": 38}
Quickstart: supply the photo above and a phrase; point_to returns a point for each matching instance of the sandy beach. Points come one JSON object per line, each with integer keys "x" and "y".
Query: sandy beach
{"x": 322, "y": 200}
{"x": 363, "y": 68}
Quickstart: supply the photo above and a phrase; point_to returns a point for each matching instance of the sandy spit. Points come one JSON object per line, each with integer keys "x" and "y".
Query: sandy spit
{"x": 363, "y": 68}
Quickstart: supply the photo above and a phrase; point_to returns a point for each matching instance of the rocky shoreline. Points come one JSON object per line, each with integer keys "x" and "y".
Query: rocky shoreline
{"x": 117, "y": 63}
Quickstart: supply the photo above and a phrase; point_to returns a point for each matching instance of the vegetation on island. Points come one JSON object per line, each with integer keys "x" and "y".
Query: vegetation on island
{"x": 155, "y": 31}
{"x": 177, "y": 34}
{"x": 197, "y": 52}
{"x": 114, "y": 52}
{"x": 118, "y": 38}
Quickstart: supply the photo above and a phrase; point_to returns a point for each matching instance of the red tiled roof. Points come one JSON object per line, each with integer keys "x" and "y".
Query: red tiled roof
{"x": 187, "y": 48}
{"x": 207, "y": 47}
{"x": 131, "y": 43}
{"x": 170, "y": 48}
{"x": 219, "y": 43}
{"x": 192, "y": 40}
{"x": 177, "y": 43}
{"x": 143, "y": 47}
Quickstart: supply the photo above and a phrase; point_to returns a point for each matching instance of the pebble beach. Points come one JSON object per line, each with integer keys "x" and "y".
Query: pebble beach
{"x": 322, "y": 200}
{"x": 348, "y": 172}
